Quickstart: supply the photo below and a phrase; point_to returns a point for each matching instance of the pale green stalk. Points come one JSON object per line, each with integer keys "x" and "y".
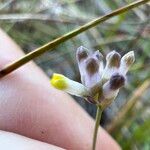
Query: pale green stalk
{"x": 97, "y": 123}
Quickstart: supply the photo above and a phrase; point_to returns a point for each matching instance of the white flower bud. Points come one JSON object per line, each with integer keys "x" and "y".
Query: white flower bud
{"x": 113, "y": 59}
{"x": 89, "y": 66}
{"x": 126, "y": 61}
{"x": 99, "y": 56}
{"x": 111, "y": 89}
{"x": 112, "y": 65}
{"x": 81, "y": 55}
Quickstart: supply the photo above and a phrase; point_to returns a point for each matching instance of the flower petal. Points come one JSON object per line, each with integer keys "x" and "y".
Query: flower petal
{"x": 63, "y": 83}
{"x": 126, "y": 61}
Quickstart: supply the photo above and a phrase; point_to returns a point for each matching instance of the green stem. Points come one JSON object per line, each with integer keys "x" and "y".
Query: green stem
{"x": 97, "y": 122}
{"x": 49, "y": 46}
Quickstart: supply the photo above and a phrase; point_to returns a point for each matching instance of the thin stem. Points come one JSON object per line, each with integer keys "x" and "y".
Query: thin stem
{"x": 97, "y": 122}
{"x": 49, "y": 46}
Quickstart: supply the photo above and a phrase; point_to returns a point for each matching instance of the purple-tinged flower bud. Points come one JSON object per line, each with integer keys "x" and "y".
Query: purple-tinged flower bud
{"x": 116, "y": 81}
{"x": 126, "y": 61}
{"x": 92, "y": 76}
{"x": 92, "y": 71}
{"x": 113, "y": 59}
{"x": 92, "y": 66}
{"x": 111, "y": 89}
{"x": 112, "y": 65}
{"x": 82, "y": 53}
{"x": 99, "y": 56}
{"x": 89, "y": 66}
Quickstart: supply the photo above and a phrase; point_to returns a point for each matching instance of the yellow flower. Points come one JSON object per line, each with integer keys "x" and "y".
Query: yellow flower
{"x": 63, "y": 83}
{"x": 59, "y": 81}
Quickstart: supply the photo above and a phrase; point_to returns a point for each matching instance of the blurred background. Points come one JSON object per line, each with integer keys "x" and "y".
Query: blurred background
{"x": 34, "y": 23}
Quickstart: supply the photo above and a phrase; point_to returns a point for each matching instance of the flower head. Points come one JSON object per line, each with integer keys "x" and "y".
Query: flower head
{"x": 99, "y": 85}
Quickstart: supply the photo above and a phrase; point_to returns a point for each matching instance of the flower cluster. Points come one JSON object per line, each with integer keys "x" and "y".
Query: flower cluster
{"x": 100, "y": 85}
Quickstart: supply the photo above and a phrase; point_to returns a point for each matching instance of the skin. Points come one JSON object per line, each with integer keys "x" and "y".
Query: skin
{"x": 31, "y": 109}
